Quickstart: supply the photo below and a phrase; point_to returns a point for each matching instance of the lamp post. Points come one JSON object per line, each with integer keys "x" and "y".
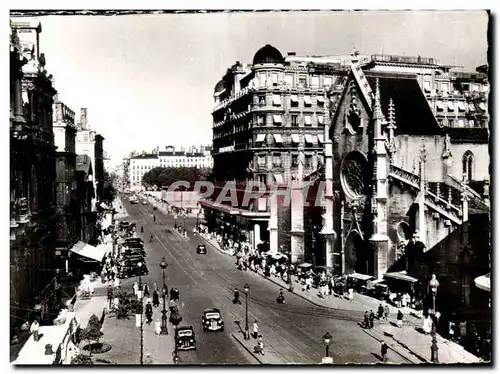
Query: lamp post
{"x": 246, "y": 288}
{"x": 433, "y": 285}
{"x": 164, "y": 328}
{"x": 327, "y": 339}
{"x": 140, "y": 297}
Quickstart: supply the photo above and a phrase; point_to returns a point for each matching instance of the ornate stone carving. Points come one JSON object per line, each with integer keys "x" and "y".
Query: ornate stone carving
{"x": 447, "y": 147}
{"x": 353, "y": 174}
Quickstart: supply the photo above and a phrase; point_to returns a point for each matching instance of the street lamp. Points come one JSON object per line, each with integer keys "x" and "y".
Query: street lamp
{"x": 139, "y": 264}
{"x": 140, "y": 297}
{"x": 327, "y": 339}
{"x": 433, "y": 285}
{"x": 164, "y": 328}
{"x": 246, "y": 288}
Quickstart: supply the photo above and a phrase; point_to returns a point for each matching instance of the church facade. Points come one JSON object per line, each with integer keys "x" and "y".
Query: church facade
{"x": 394, "y": 175}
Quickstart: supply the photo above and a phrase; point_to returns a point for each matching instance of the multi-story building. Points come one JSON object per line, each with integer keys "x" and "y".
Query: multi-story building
{"x": 140, "y": 165}
{"x": 99, "y": 165}
{"x": 33, "y": 176}
{"x": 67, "y": 204}
{"x": 264, "y": 115}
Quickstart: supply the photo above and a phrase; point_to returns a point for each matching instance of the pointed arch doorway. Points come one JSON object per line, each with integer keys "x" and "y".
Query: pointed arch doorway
{"x": 358, "y": 255}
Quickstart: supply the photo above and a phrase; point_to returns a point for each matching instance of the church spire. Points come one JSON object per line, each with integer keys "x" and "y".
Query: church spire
{"x": 378, "y": 116}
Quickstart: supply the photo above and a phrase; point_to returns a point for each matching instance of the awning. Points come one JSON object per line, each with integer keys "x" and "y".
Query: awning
{"x": 483, "y": 282}
{"x": 295, "y": 138}
{"x": 307, "y": 120}
{"x": 321, "y": 139}
{"x": 451, "y": 106}
{"x": 278, "y": 138}
{"x": 89, "y": 251}
{"x": 307, "y": 100}
{"x": 321, "y": 99}
{"x": 276, "y": 100}
{"x": 439, "y": 105}
{"x": 278, "y": 178}
{"x": 461, "y": 106}
{"x": 482, "y": 106}
{"x": 305, "y": 265}
{"x": 260, "y": 138}
{"x": 308, "y": 138}
{"x": 277, "y": 118}
{"x": 359, "y": 276}
{"x": 294, "y": 98}
{"x": 321, "y": 120}
{"x": 401, "y": 276}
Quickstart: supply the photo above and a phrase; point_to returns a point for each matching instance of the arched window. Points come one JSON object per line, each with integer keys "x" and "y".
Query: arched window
{"x": 467, "y": 165}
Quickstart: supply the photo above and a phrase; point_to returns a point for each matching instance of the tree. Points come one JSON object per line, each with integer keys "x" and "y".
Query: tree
{"x": 126, "y": 306}
{"x": 81, "y": 360}
{"x": 109, "y": 188}
{"x": 160, "y": 177}
{"x": 92, "y": 332}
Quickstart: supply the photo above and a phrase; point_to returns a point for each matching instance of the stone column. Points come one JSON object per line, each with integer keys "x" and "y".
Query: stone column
{"x": 297, "y": 222}
{"x": 273, "y": 224}
{"x": 18, "y": 109}
{"x": 256, "y": 234}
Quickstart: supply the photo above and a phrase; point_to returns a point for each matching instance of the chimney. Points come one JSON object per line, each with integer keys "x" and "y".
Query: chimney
{"x": 83, "y": 118}
{"x": 292, "y": 53}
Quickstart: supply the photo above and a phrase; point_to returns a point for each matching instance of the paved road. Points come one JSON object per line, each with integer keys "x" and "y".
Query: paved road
{"x": 292, "y": 332}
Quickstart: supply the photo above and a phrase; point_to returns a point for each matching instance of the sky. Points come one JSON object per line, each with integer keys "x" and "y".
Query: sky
{"x": 148, "y": 80}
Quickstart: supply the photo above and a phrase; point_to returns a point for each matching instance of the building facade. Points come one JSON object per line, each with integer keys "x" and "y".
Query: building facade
{"x": 67, "y": 204}
{"x": 140, "y": 165}
{"x": 33, "y": 176}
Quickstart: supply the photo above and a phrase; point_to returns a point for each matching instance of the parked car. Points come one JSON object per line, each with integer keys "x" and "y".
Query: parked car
{"x": 185, "y": 338}
{"x": 212, "y": 320}
{"x": 201, "y": 249}
{"x": 128, "y": 241}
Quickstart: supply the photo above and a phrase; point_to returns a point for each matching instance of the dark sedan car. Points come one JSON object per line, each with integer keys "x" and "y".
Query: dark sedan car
{"x": 212, "y": 320}
{"x": 185, "y": 338}
{"x": 201, "y": 249}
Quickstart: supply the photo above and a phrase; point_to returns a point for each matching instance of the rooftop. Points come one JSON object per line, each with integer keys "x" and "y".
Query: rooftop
{"x": 144, "y": 156}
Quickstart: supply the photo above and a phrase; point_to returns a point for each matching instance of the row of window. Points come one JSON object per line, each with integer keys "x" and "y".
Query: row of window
{"x": 275, "y": 100}
{"x": 445, "y": 87}
{"x": 265, "y": 79}
{"x": 451, "y": 122}
{"x": 278, "y": 159}
{"x": 460, "y": 106}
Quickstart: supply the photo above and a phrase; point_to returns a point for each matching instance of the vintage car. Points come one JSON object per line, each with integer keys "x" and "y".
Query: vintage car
{"x": 185, "y": 338}
{"x": 212, "y": 320}
{"x": 131, "y": 241}
{"x": 201, "y": 249}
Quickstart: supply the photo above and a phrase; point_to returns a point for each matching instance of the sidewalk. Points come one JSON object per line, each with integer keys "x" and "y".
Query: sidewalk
{"x": 416, "y": 343}
{"x": 269, "y": 357}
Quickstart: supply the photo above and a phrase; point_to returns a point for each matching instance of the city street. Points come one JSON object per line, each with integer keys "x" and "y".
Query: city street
{"x": 292, "y": 332}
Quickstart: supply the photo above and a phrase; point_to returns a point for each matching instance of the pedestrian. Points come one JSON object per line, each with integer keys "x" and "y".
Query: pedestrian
{"x": 117, "y": 282}
{"x": 400, "y": 318}
{"x": 367, "y": 320}
{"x": 110, "y": 296}
{"x": 136, "y": 288}
{"x": 156, "y": 299}
{"x": 383, "y": 351}
{"x": 255, "y": 330}
{"x": 259, "y": 348}
{"x": 35, "y": 329}
{"x": 386, "y": 312}
{"x": 380, "y": 312}
{"x": 146, "y": 290}
{"x": 372, "y": 318}
{"x": 149, "y": 313}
